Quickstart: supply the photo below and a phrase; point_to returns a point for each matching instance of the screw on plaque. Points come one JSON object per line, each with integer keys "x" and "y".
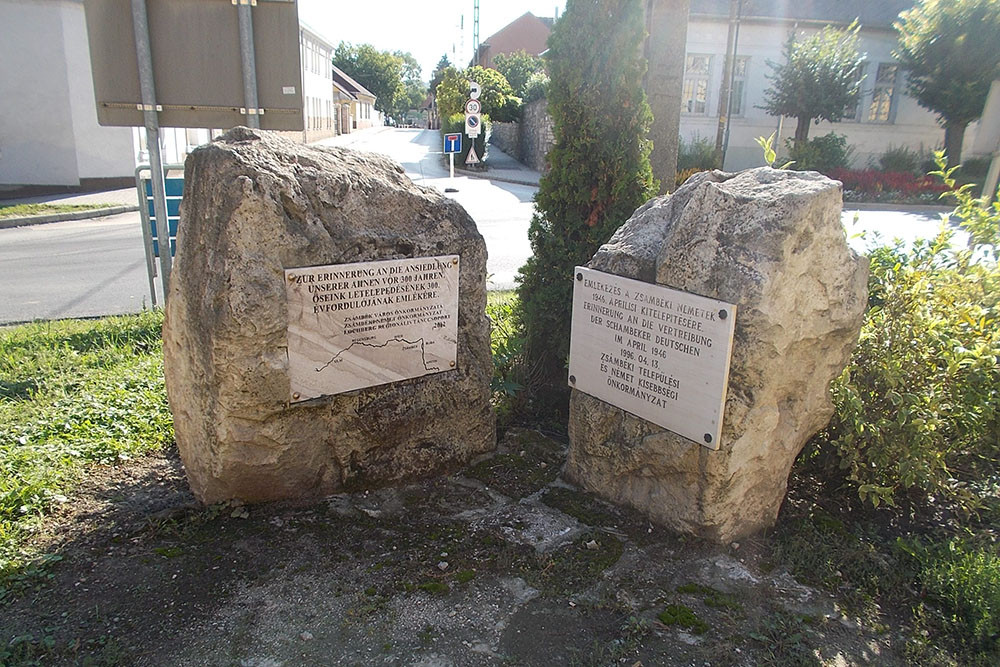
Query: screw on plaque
{"x": 295, "y": 396}
{"x": 723, "y": 314}
{"x": 708, "y": 438}
{"x": 572, "y": 379}
{"x": 579, "y": 276}
{"x": 452, "y": 364}
{"x": 291, "y": 278}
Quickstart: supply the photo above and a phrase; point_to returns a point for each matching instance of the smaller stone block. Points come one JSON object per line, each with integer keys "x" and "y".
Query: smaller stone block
{"x": 772, "y": 243}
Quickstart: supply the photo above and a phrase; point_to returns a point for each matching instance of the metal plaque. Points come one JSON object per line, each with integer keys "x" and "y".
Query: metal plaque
{"x": 197, "y": 68}
{"x": 359, "y": 325}
{"x": 656, "y": 352}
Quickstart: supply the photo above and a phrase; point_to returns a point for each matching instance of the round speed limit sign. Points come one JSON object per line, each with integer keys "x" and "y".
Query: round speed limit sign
{"x": 473, "y": 106}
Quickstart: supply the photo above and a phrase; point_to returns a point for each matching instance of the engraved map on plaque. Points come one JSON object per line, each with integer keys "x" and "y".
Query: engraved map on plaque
{"x": 359, "y": 325}
{"x": 656, "y": 352}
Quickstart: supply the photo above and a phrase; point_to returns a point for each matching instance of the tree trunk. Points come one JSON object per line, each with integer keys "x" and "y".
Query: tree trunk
{"x": 666, "y": 28}
{"x": 802, "y": 130}
{"x": 954, "y": 135}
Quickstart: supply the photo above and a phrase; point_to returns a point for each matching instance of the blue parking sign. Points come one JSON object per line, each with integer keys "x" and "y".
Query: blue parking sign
{"x": 453, "y": 143}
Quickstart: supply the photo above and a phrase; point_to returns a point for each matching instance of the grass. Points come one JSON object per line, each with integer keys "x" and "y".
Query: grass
{"x": 22, "y": 210}
{"x": 72, "y": 393}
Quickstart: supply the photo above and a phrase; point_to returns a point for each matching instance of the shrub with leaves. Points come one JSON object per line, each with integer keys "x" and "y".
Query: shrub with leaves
{"x": 600, "y": 171}
{"x": 918, "y": 406}
{"x": 822, "y": 154}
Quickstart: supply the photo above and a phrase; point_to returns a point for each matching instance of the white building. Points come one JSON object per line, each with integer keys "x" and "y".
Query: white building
{"x": 48, "y": 120}
{"x": 884, "y": 117}
{"x": 320, "y": 108}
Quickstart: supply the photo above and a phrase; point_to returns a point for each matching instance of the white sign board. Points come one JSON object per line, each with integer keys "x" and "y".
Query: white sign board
{"x": 473, "y": 125}
{"x": 473, "y": 106}
{"x": 475, "y": 90}
{"x": 658, "y": 353}
{"x": 359, "y": 325}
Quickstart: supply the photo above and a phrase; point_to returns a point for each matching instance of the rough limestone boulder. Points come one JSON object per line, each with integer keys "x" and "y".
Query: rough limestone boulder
{"x": 771, "y": 242}
{"x": 254, "y": 205}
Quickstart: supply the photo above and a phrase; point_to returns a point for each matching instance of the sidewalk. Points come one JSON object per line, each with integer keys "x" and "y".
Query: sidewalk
{"x": 112, "y": 202}
{"x": 502, "y": 167}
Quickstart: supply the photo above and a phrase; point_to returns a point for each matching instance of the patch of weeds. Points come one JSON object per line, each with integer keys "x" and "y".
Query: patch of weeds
{"x": 962, "y": 582}
{"x": 581, "y": 506}
{"x": 73, "y": 393}
{"x": 860, "y": 567}
{"x": 22, "y": 210}
{"x": 169, "y": 552}
{"x": 465, "y": 576}
{"x": 576, "y": 566}
{"x": 782, "y": 639}
{"x": 710, "y": 596}
{"x": 30, "y": 575}
{"x": 426, "y": 636}
{"x": 434, "y": 587}
{"x": 682, "y": 616}
{"x": 533, "y": 463}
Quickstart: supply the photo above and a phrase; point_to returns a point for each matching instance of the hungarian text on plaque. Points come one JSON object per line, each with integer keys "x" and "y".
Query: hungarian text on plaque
{"x": 656, "y": 352}
{"x": 359, "y": 325}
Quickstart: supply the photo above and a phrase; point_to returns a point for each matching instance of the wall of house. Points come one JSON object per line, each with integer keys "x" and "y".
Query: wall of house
{"x": 317, "y": 87}
{"x": 48, "y": 123}
{"x": 907, "y": 124}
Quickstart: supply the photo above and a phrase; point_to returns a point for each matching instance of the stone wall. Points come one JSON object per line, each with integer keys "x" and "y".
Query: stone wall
{"x": 528, "y": 141}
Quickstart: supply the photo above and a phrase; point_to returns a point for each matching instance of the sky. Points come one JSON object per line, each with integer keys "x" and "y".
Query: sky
{"x": 426, "y": 28}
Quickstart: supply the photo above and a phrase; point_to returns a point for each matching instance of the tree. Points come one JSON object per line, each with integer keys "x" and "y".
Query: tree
{"x": 379, "y": 71}
{"x": 818, "y": 80}
{"x": 951, "y": 52}
{"x": 414, "y": 91}
{"x": 517, "y": 67}
{"x": 438, "y": 74}
{"x": 497, "y": 97}
{"x": 600, "y": 171}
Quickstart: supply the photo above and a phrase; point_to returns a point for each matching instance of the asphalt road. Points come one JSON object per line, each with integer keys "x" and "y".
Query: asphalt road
{"x": 97, "y": 267}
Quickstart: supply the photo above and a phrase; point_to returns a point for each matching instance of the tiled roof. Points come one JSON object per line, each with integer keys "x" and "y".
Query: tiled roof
{"x": 349, "y": 84}
{"x": 870, "y": 13}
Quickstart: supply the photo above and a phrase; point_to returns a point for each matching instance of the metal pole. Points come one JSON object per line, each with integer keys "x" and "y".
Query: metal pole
{"x": 144, "y": 56}
{"x": 732, "y": 78}
{"x": 249, "y": 66}
{"x": 451, "y": 166}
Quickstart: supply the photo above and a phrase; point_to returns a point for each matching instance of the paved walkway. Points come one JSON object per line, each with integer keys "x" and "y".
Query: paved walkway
{"x": 502, "y": 167}
{"x": 112, "y": 202}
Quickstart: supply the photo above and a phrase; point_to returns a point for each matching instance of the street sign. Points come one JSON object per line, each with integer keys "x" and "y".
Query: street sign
{"x": 473, "y": 106}
{"x": 472, "y": 158}
{"x": 453, "y": 143}
{"x": 473, "y": 125}
{"x": 474, "y": 90}
{"x": 196, "y": 63}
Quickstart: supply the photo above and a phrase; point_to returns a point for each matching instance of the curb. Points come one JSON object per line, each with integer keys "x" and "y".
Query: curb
{"x": 903, "y": 208}
{"x": 7, "y": 223}
{"x": 486, "y": 175}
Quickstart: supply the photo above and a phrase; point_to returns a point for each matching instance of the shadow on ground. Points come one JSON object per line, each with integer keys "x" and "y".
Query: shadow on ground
{"x": 502, "y": 564}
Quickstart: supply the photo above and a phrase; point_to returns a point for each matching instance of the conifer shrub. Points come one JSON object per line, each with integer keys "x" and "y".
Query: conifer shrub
{"x": 599, "y": 170}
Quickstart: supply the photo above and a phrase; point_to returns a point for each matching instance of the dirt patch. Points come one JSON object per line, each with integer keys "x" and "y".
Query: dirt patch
{"x": 454, "y": 571}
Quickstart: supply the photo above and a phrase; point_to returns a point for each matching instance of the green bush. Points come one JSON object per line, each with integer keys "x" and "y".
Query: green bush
{"x": 902, "y": 158}
{"x": 918, "y": 406}
{"x": 600, "y": 171}
{"x": 535, "y": 87}
{"x": 820, "y": 154}
{"x": 963, "y": 582}
{"x": 699, "y": 155}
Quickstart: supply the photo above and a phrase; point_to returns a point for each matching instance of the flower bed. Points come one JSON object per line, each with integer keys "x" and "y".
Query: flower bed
{"x": 872, "y": 185}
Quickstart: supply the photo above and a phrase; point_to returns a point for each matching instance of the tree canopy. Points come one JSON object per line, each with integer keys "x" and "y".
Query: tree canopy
{"x": 497, "y": 97}
{"x": 818, "y": 79}
{"x": 438, "y": 74}
{"x": 517, "y": 67}
{"x": 951, "y": 52}
{"x": 394, "y": 78}
{"x": 600, "y": 171}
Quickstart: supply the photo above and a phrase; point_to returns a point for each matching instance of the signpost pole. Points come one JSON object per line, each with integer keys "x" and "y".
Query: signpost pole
{"x": 451, "y": 166}
{"x": 249, "y": 65}
{"x": 144, "y": 56}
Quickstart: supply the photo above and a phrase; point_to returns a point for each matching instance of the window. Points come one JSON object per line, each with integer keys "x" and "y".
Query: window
{"x": 854, "y": 110}
{"x": 695, "y": 91}
{"x": 738, "y": 92}
{"x": 880, "y": 110}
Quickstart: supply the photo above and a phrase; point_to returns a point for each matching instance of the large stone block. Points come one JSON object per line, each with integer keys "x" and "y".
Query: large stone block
{"x": 771, "y": 242}
{"x": 255, "y": 205}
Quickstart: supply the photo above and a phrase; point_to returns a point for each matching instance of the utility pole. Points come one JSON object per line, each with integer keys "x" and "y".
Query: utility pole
{"x": 475, "y": 32}
{"x": 666, "y": 29}
{"x": 725, "y": 92}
